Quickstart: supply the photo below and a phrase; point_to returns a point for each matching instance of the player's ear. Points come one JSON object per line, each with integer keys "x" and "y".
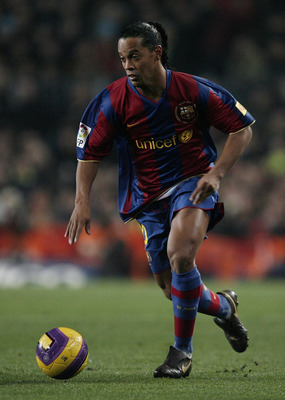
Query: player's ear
{"x": 158, "y": 52}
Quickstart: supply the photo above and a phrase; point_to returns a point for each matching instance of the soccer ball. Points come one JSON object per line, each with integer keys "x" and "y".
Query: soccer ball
{"x": 62, "y": 353}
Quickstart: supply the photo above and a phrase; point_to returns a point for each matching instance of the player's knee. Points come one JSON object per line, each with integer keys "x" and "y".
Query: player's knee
{"x": 182, "y": 258}
{"x": 181, "y": 262}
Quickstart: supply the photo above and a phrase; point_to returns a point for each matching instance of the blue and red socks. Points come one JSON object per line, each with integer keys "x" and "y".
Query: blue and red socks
{"x": 214, "y": 304}
{"x": 190, "y": 295}
{"x": 185, "y": 291}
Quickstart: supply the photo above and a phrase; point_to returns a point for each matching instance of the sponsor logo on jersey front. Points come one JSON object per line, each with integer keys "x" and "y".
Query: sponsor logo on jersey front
{"x": 82, "y": 135}
{"x": 158, "y": 144}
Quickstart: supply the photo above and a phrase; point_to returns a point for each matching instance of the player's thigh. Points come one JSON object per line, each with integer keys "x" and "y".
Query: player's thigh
{"x": 154, "y": 223}
{"x": 188, "y": 230}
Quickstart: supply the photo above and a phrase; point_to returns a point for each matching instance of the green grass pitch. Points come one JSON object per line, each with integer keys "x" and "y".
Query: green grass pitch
{"x": 128, "y": 327}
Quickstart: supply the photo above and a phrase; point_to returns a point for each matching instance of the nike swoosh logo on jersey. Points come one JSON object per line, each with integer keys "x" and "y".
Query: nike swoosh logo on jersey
{"x": 141, "y": 121}
{"x": 131, "y": 125}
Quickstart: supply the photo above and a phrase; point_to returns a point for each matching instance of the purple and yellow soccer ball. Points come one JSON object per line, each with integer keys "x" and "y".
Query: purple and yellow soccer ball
{"x": 62, "y": 353}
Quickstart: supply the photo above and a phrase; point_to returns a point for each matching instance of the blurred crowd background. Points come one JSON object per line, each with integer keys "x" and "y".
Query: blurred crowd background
{"x": 56, "y": 56}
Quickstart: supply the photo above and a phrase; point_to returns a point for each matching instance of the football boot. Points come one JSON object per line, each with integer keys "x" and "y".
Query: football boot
{"x": 177, "y": 365}
{"x": 234, "y": 330}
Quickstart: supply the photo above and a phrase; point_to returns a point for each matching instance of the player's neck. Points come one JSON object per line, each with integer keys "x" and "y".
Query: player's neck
{"x": 155, "y": 88}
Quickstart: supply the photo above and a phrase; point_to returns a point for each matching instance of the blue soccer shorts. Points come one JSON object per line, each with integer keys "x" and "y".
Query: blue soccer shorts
{"x": 155, "y": 221}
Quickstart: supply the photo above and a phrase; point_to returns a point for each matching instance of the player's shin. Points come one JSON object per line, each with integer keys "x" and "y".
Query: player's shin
{"x": 185, "y": 291}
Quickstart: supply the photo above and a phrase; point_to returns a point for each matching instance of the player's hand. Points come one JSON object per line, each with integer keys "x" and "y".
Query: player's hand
{"x": 206, "y": 186}
{"x": 80, "y": 218}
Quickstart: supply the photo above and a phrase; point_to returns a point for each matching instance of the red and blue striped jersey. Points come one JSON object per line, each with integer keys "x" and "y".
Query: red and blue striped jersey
{"x": 160, "y": 143}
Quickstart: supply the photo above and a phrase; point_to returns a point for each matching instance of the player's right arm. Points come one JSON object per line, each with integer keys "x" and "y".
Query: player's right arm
{"x": 81, "y": 216}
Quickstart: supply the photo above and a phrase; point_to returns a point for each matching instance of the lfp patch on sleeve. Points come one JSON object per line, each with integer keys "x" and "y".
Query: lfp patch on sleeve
{"x": 241, "y": 108}
{"x": 82, "y": 135}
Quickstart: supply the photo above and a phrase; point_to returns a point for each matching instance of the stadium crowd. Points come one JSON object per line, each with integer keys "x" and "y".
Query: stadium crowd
{"x": 56, "y": 56}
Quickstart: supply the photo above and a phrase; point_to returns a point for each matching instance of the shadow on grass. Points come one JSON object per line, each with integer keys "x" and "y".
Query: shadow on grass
{"x": 111, "y": 377}
{"x": 9, "y": 379}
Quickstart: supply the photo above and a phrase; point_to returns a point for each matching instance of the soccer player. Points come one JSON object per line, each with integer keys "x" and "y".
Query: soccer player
{"x": 168, "y": 176}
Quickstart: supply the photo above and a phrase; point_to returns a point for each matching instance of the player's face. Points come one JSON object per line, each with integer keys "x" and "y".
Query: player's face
{"x": 139, "y": 63}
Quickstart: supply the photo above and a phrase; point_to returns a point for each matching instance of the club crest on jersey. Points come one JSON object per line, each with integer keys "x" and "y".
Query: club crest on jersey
{"x": 82, "y": 135}
{"x": 186, "y": 112}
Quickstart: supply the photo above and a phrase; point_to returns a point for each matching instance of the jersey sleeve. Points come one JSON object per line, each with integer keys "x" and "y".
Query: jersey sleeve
{"x": 97, "y": 129}
{"x": 221, "y": 108}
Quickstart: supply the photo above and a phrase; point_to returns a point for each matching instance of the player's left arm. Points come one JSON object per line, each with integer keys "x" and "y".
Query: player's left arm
{"x": 233, "y": 149}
